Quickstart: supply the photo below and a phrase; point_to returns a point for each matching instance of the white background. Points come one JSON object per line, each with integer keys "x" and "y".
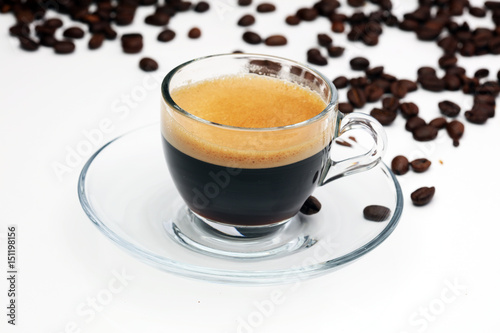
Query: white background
{"x": 48, "y": 101}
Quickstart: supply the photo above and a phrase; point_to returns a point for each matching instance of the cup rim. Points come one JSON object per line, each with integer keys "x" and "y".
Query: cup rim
{"x": 168, "y": 99}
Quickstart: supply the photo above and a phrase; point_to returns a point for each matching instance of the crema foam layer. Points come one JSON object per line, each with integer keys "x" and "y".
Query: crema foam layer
{"x": 247, "y": 101}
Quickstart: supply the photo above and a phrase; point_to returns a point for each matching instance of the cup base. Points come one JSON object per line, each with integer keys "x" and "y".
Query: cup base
{"x": 215, "y": 239}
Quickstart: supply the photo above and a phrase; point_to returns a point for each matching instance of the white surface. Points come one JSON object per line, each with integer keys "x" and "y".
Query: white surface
{"x": 65, "y": 264}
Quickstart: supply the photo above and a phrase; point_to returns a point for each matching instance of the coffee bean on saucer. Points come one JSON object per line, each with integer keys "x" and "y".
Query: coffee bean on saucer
{"x": 194, "y": 33}
{"x": 252, "y": 38}
{"x": 314, "y": 57}
{"x": 335, "y": 51}
{"x": 202, "y": 7}
{"x": 439, "y": 122}
{"x": 324, "y": 40}
{"x": 266, "y": 8}
{"x": 408, "y": 109}
{"x": 292, "y": 20}
{"x": 413, "y": 123}
{"x": 74, "y": 32}
{"x": 400, "y": 165}
{"x": 346, "y": 108}
{"x": 246, "y": 20}
{"x": 376, "y": 213}
{"x": 390, "y": 104}
{"x": 132, "y": 43}
{"x": 166, "y": 35}
{"x": 383, "y": 116}
{"x": 423, "y": 196}
{"x": 449, "y": 108}
{"x": 425, "y": 133}
{"x": 311, "y": 206}
{"x": 96, "y": 41}
{"x": 481, "y": 73}
{"x": 420, "y": 165}
{"x": 276, "y": 40}
{"x": 148, "y": 64}
{"x": 340, "y": 82}
{"x": 359, "y": 63}
{"x": 64, "y": 47}
{"x": 432, "y": 83}
{"x": 455, "y": 130}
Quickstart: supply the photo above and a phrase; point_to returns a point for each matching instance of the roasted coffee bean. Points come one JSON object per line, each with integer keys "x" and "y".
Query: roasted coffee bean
{"x": 64, "y": 47}
{"x": 148, "y": 64}
{"x": 314, "y": 57}
{"x": 410, "y": 85}
{"x": 493, "y": 5}
{"x": 244, "y": 2}
{"x": 292, "y": 20}
{"x": 276, "y": 40}
{"x": 398, "y": 89}
{"x": 449, "y": 108}
{"x": 449, "y": 44}
{"x": 370, "y": 39}
{"x": 346, "y": 108}
{"x": 47, "y": 40}
{"x": 357, "y": 97}
{"x": 338, "y": 27}
{"x": 376, "y": 213}
{"x": 340, "y": 82}
{"x": 455, "y": 130}
{"x": 488, "y": 88}
{"x": 335, "y": 51}
{"x": 452, "y": 82}
{"x": 359, "y": 82}
{"x": 447, "y": 61}
{"x": 311, "y": 206}
{"x": 27, "y": 43}
{"x": 413, "y": 123}
{"x": 428, "y": 32}
{"x": 383, "y": 116}
{"x": 324, "y": 40}
{"x": 74, "y": 32}
{"x": 390, "y": 104}
{"x": 202, "y": 7}
{"x": 266, "y": 8}
{"x": 166, "y": 35}
{"x": 356, "y": 3}
{"x": 194, "y": 33}
{"x": 469, "y": 85}
{"x": 423, "y": 196}
{"x": 408, "y": 25}
{"x": 20, "y": 29}
{"x": 400, "y": 165}
{"x": 488, "y": 108}
{"x": 252, "y": 38}
{"x": 53, "y": 23}
{"x": 373, "y": 92}
{"x": 484, "y": 99}
{"x": 477, "y": 116}
{"x": 359, "y": 63}
{"x": 307, "y": 14}
{"x": 384, "y": 84}
{"x": 408, "y": 109}
{"x": 157, "y": 19}
{"x": 481, "y": 73}
{"x": 132, "y": 43}
{"x": 423, "y": 71}
{"x": 246, "y": 20}
{"x": 425, "y": 133}
{"x": 96, "y": 41}
{"x": 374, "y": 72}
{"x": 432, "y": 83}
{"x": 420, "y": 165}
{"x": 439, "y": 122}
{"x": 477, "y": 11}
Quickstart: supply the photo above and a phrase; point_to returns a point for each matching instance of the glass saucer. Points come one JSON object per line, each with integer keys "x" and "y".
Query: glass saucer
{"x": 126, "y": 190}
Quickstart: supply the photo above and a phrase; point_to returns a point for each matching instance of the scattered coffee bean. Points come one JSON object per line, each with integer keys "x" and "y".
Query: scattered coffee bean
{"x": 477, "y": 11}
{"x": 314, "y": 57}
{"x": 439, "y": 122}
{"x": 452, "y": 82}
{"x": 432, "y": 83}
{"x": 53, "y": 23}
{"x": 244, "y": 2}
{"x": 383, "y": 116}
{"x": 425, "y": 133}
{"x": 324, "y": 40}
{"x": 194, "y": 33}
{"x": 311, "y": 206}
{"x": 423, "y": 196}
{"x": 449, "y": 108}
{"x": 478, "y": 116}
{"x": 376, "y": 213}
{"x": 398, "y": 89}
{"x": 481, "y": 73}
{"x": 356, "y": 3}
{"x": 266, "y": 8}
{"x": 338, "y": 27}
{"x": 346, "y": 108}
{"x": 157, "y": 19}
{"x": 132, "y": 43}
{"x": 27, "y": 43}
{"x": 359, "y": 63}
{"x": 357, "y": 97}
{"x": 148, "y": 64}
{"x": 390, "y": 104}
{"x": 74, "y": 32}
{"x": 484, "y": 99}
{"x": 400, "y": 165}
{"x": 335, "y": 51}
{"x": 374, "y": 72}
{"x": 96, "y": 41}
{"x": 252, "y": 38}
{"x": 276, "y": 40}
{"x": 455, "y": 130}
{"x": 413, "y": 123}
{"x": 420, "y": 165}
{"x": 340, "y": 82}
{"x": 483, "y": 107}
{"x": 166, "y": 35}
{"x": 447, "y": 61}
{"x": 408, "y": 109}
{"x": 246, "y": 20}
{"x": 373, "y": 92}
{"x": 202, "y": 7}
{"x": 64, "y": 47}
{"x": 307, "y": 14}
{"x": 292, "y": 20}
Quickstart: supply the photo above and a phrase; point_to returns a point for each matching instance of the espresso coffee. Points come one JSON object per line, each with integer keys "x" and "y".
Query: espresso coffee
{"x": 238, "y": 176}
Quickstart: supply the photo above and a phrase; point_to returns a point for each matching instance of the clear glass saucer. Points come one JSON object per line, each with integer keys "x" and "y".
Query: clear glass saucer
{"x": 126, "y": 190}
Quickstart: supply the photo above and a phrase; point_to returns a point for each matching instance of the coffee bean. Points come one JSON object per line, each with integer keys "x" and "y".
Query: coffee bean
{"x": 432, "y": 83}
{"x": 398, "y": 89}
{"x": 202, "y": 7}
{"x": 423, "y": 71}
{"x": 452, "y": 82}
{"x": 455, "y": 130}
{"x": 346, "y": 108}
{"x": 449, "y": 108}
{"x": 374, "y": 72}
{"x": 27, "y": 43}
{"x": 307, "y": 14}
{"x": 420, "y": 165}
{"x": 132, "y": 43}
{"x": 252, "y": 38}
{"x": 447, "y": 61}
{"x": 488, "y": 88}
{"x": 47, "y": 40}
{"x": 373, "y": 92}
{"x": 338, "y": 27}
{"x": 148, "y": 64}
{"x": 359, "y": 82}
{"x": 335, "y": 51}
{"x": 408, "y": 109}
{"x": 383, "y": 116}
{"x": 359, "y": 63}
{"x": 276, "y": 40}
{"x": 96, "y": 41}
{"x": 376, "y": 213}
{"x": 481, "y": 73}
{"x": 74, "y": 32}
{"x": 166, "y": 35}
{"x": 356, "y": 3}
{"x": 477, "y": 116}
{"x": 413, "y": 123}
{"x": 314, "y": 57}
{"x": 324, "y": 40}
{"x": 326, "y": 7}
{"x": 266, "y": 8}
{"x": 340, "y": 82}
{"x": 482, "y": 107}
{"x": 53, "y": 23}
{"x": 357, "y": 97}
{"x": 194, "y": 33}
{"x": 20, "y": 29}
{"x": 477, "y": 11}
{"x": 400, "y": 165}
{"x": 246, "y": 20}
{"x": 409, "y": 25}
{"x": 449, "y": 44}
{"x": 410, "y": 85}
{"x": 157, "y": 19}
{"x": 425, "y": 133}
{"x": 439, "y": 122}
{"x": 64, "y": 47}
{"x": 311, "y": 206}
{"x": 423, "y": 196}
{"x": 292, "y": 20}
{"x": 492, "y": 5}
{"x": 390, "y": 104}
{"x": 484, "y": 99}
{"x": 244, "y": 2}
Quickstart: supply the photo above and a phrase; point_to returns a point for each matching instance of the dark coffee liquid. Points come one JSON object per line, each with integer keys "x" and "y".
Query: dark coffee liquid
{"x": 246, "y": 197}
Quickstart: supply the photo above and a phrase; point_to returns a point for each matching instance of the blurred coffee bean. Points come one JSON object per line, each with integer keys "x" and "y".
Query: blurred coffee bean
{"x": 455, "y": 130}
{"x": 324, "y": 40}
{"x": 439, "y": 122}
{"x": 425, "y": 133}
{"x": 96, "y": 41}
{"x": 307, "y": 14}
{"x": 478, "y": 116}
{"x": 202, "y": 7}
{"x": 376, "y": 213}
{"x": 74, "y": 32}
{"x": 194, "y": 33}
{"x": 357, "y": 97}
{"x": 244, "y": 2}
{"x": 398, "y": 89}
{"x": 148, "y": 64}
{"x": 481, "y": 73}
{"x": 252, "y": 38}
{"x": 373, "y": 92}
{"x": 166, "y": 35}
{"x": 413, "y": 123}
{"x": 477, "y": 11}
{"x": 276, "y": 40}
{"x": 266, "y": 8}
{"x": 432, "y": 83}
{"x": 292, "y": 20}
{"x": 64, "y": 47}
{"x": 356, "y": 3}
{"x": 383, "y": 116}
{"x": 314, "y": 57}
{"x": 390, "y": 104}
{"x": 452, "y": 82}
{"x": 338, "y": 27}
{"x": 408, "y": 109}
{"x": 449, "y": 108}
{"x": 400, "y": 165}
{"x": 374, "y": 72}
{"x": 340, "y": 82}
{"x": 346, "y": 108}
{"x": 359, "y": 63}
{"x": 157, "y": 19}
{"x": 246, "y": 20}
{"x": 27, "y": 43}
{"x": 132, "y": 43}
{"x": 420, "y": 165}
{"x": 423, "y": 196}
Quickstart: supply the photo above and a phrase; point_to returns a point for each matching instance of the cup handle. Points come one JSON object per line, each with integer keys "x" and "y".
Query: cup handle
{"x": 366, "y": 161}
